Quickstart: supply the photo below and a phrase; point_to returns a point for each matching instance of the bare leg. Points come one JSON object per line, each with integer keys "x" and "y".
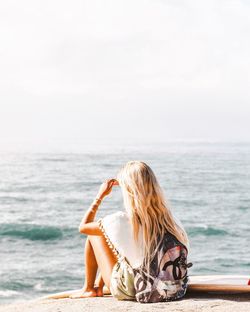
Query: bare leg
{"x": 101, "y": 288}
{"x": 99, "y": 284}
{"x": 104, "y": 256}
{"x": 88, "y": 289}
{"x": 97, "y": 254}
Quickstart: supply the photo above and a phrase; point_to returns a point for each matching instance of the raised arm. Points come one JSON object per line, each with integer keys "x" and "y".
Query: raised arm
{"x": 88, "y": 225}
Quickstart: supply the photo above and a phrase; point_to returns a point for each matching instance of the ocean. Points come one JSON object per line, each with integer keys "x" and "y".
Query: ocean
{"x": 43, "y": 197}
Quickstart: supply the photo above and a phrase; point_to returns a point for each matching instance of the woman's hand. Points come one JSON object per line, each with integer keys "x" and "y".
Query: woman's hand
{"x": 106, "y": 188}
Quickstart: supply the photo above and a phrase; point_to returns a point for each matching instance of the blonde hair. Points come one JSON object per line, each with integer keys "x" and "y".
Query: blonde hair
{"x": 147, "y": 207}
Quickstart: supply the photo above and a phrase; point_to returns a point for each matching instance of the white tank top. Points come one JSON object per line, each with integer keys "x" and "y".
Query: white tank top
{"x": 117, "y": 229}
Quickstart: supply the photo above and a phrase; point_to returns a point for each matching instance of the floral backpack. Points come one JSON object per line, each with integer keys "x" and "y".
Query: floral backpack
{"x": 168, "y": 273}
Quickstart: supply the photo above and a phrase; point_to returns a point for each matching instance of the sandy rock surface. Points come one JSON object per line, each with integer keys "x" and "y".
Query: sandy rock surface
{"x": 201, "y": 303}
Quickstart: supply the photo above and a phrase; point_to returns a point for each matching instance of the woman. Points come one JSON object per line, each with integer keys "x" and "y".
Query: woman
{"x": 134, "y": 233}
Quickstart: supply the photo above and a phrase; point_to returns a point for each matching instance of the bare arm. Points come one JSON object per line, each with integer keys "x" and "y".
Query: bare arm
{"x": 88, "y": 225}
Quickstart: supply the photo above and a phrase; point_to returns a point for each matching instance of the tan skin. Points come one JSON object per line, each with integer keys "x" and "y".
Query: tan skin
{"x": 97, "y": 252}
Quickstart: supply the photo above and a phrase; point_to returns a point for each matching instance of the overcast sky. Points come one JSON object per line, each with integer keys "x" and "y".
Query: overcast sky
{"x": 135, "y": 70}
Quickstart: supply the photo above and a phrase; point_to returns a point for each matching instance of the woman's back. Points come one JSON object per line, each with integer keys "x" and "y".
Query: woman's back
{"x": 118, "y": 232}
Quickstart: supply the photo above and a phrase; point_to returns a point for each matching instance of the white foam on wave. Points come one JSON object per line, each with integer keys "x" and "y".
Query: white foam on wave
{"x": 8, "y": 293}
{"x": 38, "y": 286}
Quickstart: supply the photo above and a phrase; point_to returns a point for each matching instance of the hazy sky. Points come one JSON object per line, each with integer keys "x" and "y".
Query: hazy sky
{"x": 151, "y": 70}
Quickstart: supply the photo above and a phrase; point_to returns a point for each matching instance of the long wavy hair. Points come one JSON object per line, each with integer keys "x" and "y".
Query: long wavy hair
{"x": 147, "y": 207}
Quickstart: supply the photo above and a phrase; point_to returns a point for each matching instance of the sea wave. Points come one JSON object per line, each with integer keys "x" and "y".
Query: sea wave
{"x": 53, "y": 159}
{"x": 33, "y": 231}
{"x": 206, "y": 231}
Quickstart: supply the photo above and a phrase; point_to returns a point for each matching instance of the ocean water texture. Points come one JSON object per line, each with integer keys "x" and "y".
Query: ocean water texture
{"x": 44, "y": 196}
